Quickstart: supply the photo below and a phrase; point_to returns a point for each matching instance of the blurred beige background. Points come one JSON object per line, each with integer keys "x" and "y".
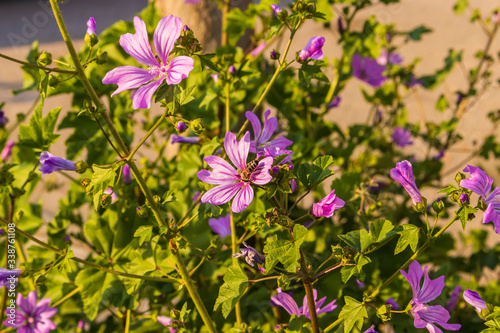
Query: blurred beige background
{"x": 23, "y": 21}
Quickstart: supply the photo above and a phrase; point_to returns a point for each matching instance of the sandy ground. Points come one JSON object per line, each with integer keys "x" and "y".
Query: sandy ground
{"x": 23, "y": 21}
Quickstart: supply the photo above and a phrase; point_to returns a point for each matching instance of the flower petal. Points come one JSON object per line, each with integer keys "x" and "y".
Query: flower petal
{"x": 286, "y": 302}
{"x": 143, "y": 95}
{"x": 414, "y": 276}
{"x": 270, "y": 126}
{"x": 431, "y": 289}
{"x": 254, "y": 120}
{"x": 280, "y": 143}
{"x": 223, "y": 172}
{"x": 137, "y": 45}
{"x": 237, "y": 151}
{"x": 127, "y": 77}
{"x": 242, "y": 199}
{"x": 179, "y": 68}
{"x": 261, "y": 174}
{"x": 479, "y": 182}
{"x": 221, "y": 194}
{"x": 403, "y": 174}
{"x": 437, "y": 314}
{"x": 167, "y": 31}
{"x": 221, "y": 226}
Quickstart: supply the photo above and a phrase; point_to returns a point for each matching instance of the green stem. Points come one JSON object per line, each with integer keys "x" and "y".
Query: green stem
{"x": 48, "y": 69}
{"x": 192, "y": 292}
{"x": 280, "y": 68}
{"x": 126, "y": 327}
{"x": 306, "y": 280}
{"x": 88, "y": 263}
{"x": 234, "y": 248}
{"x": 403, "y": 267}
{"x": 66, "y": 297}
{"x": 148, "y": 134}
{"x": 225, "y": 10}
{"x": 227, "y": 107}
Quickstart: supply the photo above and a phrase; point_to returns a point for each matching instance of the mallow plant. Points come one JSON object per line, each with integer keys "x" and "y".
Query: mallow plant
{"x": 213, "y": 192}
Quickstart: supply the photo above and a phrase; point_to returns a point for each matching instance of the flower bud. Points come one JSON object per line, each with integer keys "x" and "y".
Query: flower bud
{"x": 105, "y": 200}
{"x": 275, "y": 55}
{"x": 102, "y": 57}
{"x": 232, "y": 69}
{"x": 464, "y": 198}
{"x": 340, "y": 25}
{"x": 157, "y": 199}
{"x": 142, "y": 211}
{"x": 421, "y": 207}
{"x": 85, "y": 182}
{"x": 438, "y": 205}
{"x": 54, "y": 81}
{"x": 81, "y": 166}
{"x": 211, "y": 253}
{"x": 91, "y": 40}
{"x": 198, "y": 126}
{"x": 311, "y": 8}
{"x": 44, "y": 59}
{"x": 180, "y": 127}
{"x": 459, "y": 176}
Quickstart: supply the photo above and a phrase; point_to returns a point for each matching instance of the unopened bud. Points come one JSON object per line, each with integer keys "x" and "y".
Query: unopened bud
{"x": 421, "y": 207}
{"x": 459, "y": 176}
{"x": 81, "y": 166}
{"x": 438, "y": 205}
{"x": 464, "y": 198}
{"x": 340, "y": 25}
{"x": 44, "y": 59}
{"x": 180, "y": 127}
{"x": 157, "y": 199}
{"x": 54, "y": 81}
{"x": 106, "y": 200}
{"x": 275, "y": 55}
{"x": 198, "y": 126}
{"x": 142, "y": 211}
{"x": 102, "y": 57}
{"x": 210, "y": 253}
{"x": 91, "y": 40}
{"x": 311, "y": 8}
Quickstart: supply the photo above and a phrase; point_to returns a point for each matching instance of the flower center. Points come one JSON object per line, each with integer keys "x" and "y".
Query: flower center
{"x": 157, "y": 70}
{"x": 31, "y": 320}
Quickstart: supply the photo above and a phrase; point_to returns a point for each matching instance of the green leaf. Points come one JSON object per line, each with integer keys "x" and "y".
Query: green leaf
{"x": 442, "y": 103}
{"x": 464, "y": 214}
{"x": 93, "y": 284}
{"x": 285, "y": 251}
{"x": 449, "y": 190}
{"x": 102, "y": 178}
{"x": 186, "y": 95}
{"x": 324, "y": 6}
{"x": 353, "y": 239}
{"x": 274, "y": 29}
{"x": 206, "y": 60}
{"x": 380, "y": 230}
{"x": 409, "y": 236}
{"x": 309, "y": 72}
{"x": 210, "y": 147}
{"x": 353, "y": 313}
{"x": 235, "y": 283}
{"x": 144, "y": 232}
{"x": 460, "y": 6}
{"x": 347, "y": 272}
{"x": 312, "y": 174}
{"x": 416, "y": 34}
{"x": 39, "y": 134}
{"x": 296, "y": 324}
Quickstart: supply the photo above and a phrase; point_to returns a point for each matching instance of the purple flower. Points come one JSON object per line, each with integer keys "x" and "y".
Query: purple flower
{"x": 403, "y": 174}
{"x": 250, "y": 254}
{"x": 81, "y": 324}
{"x": 368, "y": 70}
{"x": 127, "y": 175}
{"x": 196, "y": 196}
{"x": 313, "y": 49}
{"x": 392, "y": 303}
{"x": 480, "y": 183}
{"x": 276, "y": 9}
{"x": 340, "y": 25}
{"x": 146, "y": 81}
{"x": 3, "y": 119}
{"x": 234, "y": 182}
{"x": 293, "y": 185}
{"x": 440, "y": 155}
{"x": 215, "y": 77}
{"x": 274, "y": 55}
{"x": 7, "y": 150}
{"x": 327, "y": 206}
{"x": 360, "y": 284}
{"x": 9, "y": 277}
{"x": 221, "y": 226}
{"x": 51, "y": 163}
{"x": 413, "y": 82}
{"x": 371, "y": 330}
{"x": 335, "y": 102}
{"x": 232, "y": 69}
{"x": 184, "y": 139}
{"x": 181, "y": 127}
{"x": 30, "y": 316}
{"x": 167, "y": 321}
{"x": 464, "y": 198}
{"x": 452, "y": 302}
{"x": 255, "y": 52}
{"x": 401, "y": 137}
{"x": 286, "y": 302}
{"x": 472, "y": 297}
{"x": 426, "y": 315}
{"x": 386, "y": 58}
{"x": 261, "y": 144}
{"x": 91, "y": 27}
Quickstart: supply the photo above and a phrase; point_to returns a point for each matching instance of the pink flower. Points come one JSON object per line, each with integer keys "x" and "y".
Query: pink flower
{"x": 286, "y": 302}
{"x": 473, "y": 298}
{"x": 313, "y": 49}
{"x": 368, "y": 70}
{"x": 7, "y": 150}
{"x": 327, "y": 206}
{"x": 403, "y": 174}
{"x": 221, "y": 226}
{"x": 232, "y": 182}
{"x": 146, "y": 81}
{"x": 255, "y": 52}
{"x": 91, "y": 27}
{"x": 32, "y": 317}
